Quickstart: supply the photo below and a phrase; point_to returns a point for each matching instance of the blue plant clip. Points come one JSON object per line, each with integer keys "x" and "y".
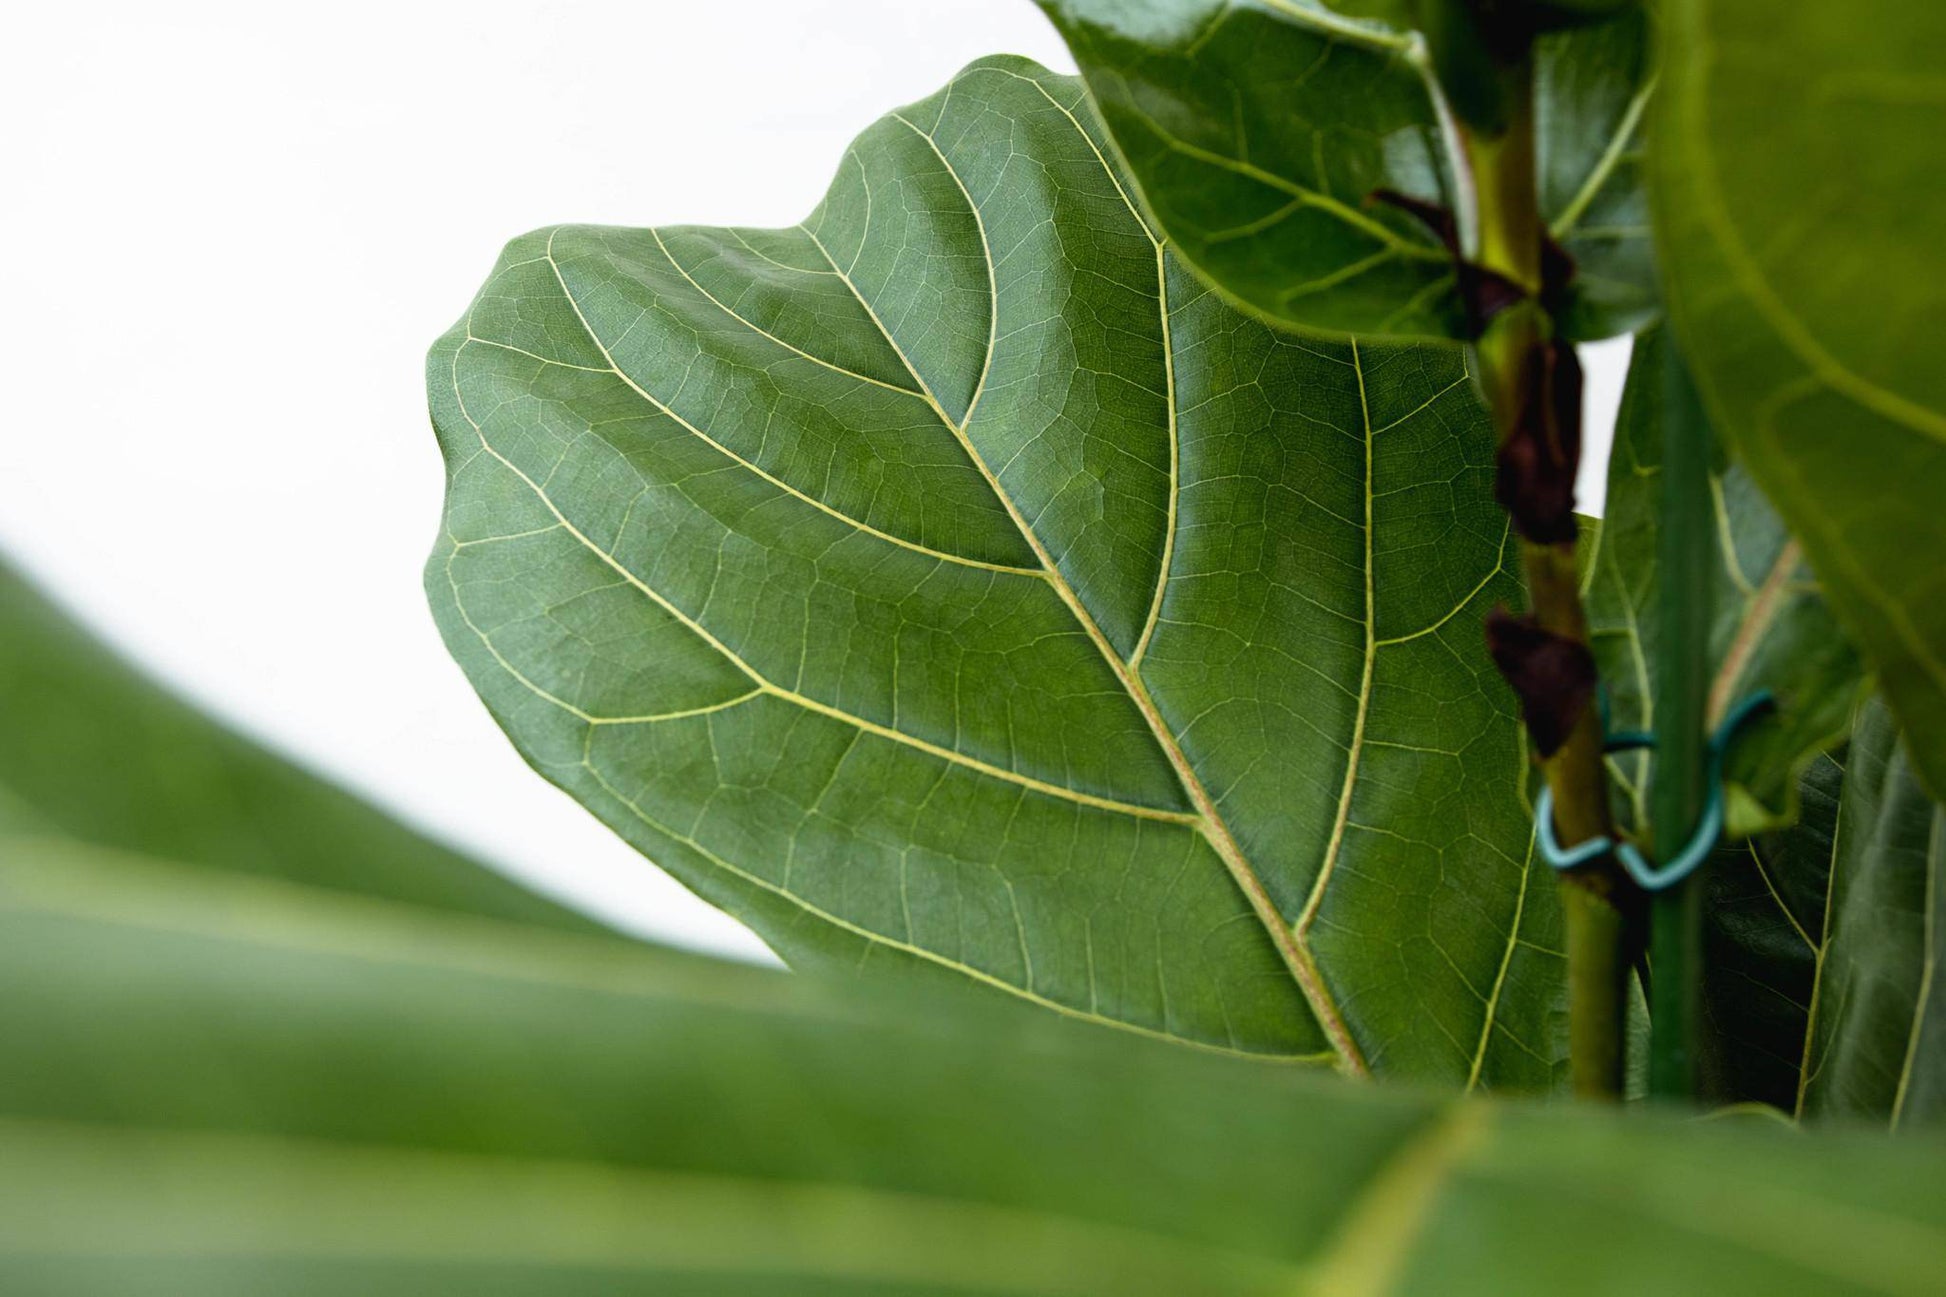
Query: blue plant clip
{"x": 1709, "y": 828}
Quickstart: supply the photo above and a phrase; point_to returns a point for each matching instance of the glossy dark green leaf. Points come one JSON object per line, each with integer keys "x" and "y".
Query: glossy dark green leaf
{"x": 217, "y": 1083}
{"x": 1772, "y": 628}
{"x": 1763, "y": 931}
{"x": 1824, "y": 945}
{"x": 1257, "y": 133}
{"x": 1799, "y": 207}
{"x": 1593, "y": 87}
{"x": 92, "y": 750}
{"x": 952, "y": 584}
{"x": 1878, "y": 1016}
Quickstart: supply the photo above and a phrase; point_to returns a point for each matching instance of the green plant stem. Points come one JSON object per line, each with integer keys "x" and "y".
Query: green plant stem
{"x": 1682, "y": 700}
{"x": 1598, "y": 967}
{"x": 1510, "y": 239}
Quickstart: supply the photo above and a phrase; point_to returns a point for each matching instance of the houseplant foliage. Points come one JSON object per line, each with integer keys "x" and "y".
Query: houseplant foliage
{"x": 96, "y": 754}
{"x": 952, "y": 582}
{"x": 1771, "y": 627}
{"x": 1823, "y": 981}
{"x": 234, "y": 1066}
{"x": 1816, "y": 983}
{"x": 1050, "y": 579}
{"x": 1812, "y": 339}
{"x": 1228, "y": 158}
{"x": 1003, "y": 578}
{"x": 1260, "y": 132}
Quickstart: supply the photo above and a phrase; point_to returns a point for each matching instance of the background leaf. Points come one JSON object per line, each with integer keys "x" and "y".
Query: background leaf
{"x": 224, "y": 1082}
{"x": 952, "y": 584}
{"x": 1823, "y": 939}
{"x": 1772, "y": 629}
{"x": 1257, "y": 132}
{"x": 1878, "y": 1023}
{"x": 1763, "y": 934}
{"x": 93, "y": 751}
{"x": 1593, "y": 84}
{"x": 1799, "y": 202}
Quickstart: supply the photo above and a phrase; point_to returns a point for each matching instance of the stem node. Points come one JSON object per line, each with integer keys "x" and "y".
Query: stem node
{"x": 1532, "y": 384}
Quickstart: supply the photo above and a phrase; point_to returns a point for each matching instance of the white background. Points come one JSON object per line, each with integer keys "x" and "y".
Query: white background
{"x": 233, "y": 232}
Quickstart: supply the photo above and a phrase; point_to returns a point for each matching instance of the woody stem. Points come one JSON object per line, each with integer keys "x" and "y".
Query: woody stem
{"x": 1521, "y": 374}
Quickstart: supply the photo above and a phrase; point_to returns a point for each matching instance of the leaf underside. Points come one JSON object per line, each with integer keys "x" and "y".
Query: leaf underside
{"x": 952, "y": 583}
{"x": 1799, "y": 205}
{"x": 1258, "y": 133}
{"x": 1824, "y": 974}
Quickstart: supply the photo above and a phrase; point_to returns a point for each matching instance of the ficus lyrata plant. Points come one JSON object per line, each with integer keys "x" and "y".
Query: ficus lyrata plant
{"x": 1060, "y": 562}
{"x": 1106, "y": 588}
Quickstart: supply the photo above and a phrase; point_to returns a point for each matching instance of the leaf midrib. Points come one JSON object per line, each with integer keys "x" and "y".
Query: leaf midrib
{"x": 1760, "y": 613}
{"x": 1690, "y": 127}
{"x": 1206, "y": 819}
{"x": 1380, "y": 1231}
{"x": 1215, "y": 831}
{"x": 1805, "y": 1071}
{"x": 1326, "y": 23}
{"x": 1611, "y": 158}
{"x": 765, "y": 685}
{"x": 1750, "y": 275}
{"x": 1023, "y": 992}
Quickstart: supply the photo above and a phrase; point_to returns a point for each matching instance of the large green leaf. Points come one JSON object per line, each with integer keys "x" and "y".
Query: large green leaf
{"x": 216, "y": 1083}
{"x": 951, "y": 583}
{"x": 1258, "y": 130}
{"x": 90, "y": 749}
{"x": 1823, "y": 945}
{"x": 1799, "y": 208}
{"x": 1772, "y": 629}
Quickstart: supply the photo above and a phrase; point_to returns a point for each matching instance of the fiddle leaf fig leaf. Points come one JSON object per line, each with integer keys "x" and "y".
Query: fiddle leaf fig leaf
{"x": 1259, "y": 133}
{"x": 91, "y": 750}
{"x": 1877, "y": 1038}
{"x": 538, "y": 1114}
{"x": 1593, "y": 85}
{"x": 1823, "y": 983}
{"x": 1763, "y": 934}
{"x": 1799, "y": 202}
{"x": 1772, "y": 628}
{"x": 952, "y": 584}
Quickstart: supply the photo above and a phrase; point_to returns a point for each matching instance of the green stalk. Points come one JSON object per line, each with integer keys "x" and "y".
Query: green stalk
{"x": 1682, "y": 699}
{"x": 1501, "y": 157}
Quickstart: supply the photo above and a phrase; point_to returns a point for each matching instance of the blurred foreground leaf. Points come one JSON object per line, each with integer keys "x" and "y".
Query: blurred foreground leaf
{"x": 222, "y": 1083}
{"x": 216, "y": 1080}
{"x": 90, "y": 749}
{"x": 1799, "y": 208}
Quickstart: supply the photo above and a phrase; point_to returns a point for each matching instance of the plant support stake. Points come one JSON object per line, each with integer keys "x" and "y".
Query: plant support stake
{"x": 1683, "y": 541}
